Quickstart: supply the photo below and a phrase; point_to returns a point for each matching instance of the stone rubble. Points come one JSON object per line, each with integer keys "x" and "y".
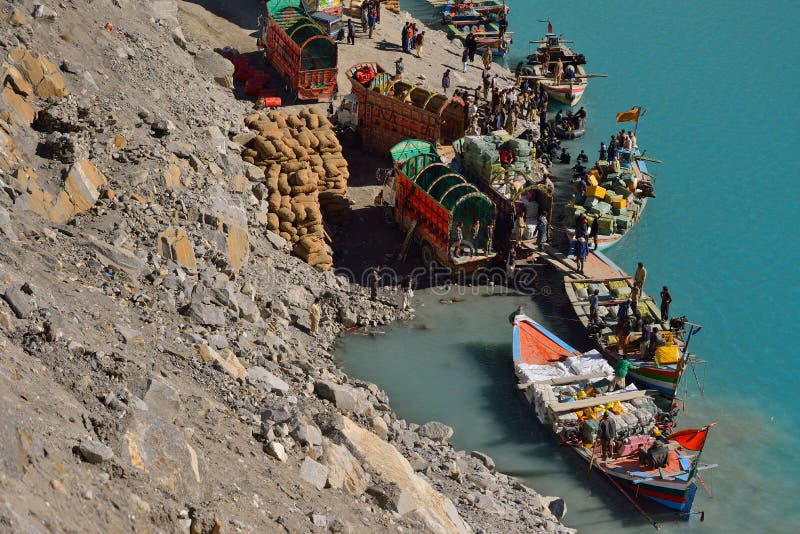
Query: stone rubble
{"x": 157, "y": 370}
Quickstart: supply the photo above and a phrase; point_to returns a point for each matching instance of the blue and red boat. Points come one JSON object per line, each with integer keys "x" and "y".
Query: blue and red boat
{"x": 569, "y": 392}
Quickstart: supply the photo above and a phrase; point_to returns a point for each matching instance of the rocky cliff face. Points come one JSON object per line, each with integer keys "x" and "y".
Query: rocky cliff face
{"x": 156, "y": 369}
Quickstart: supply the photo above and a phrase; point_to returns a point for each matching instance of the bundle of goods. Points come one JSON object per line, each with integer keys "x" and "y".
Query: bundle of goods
{"x": 365, "y": 74}
{"x": 305, "y": 175}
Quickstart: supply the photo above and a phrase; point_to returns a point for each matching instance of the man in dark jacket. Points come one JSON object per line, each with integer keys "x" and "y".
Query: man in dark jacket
{"x": 606, "y": 432}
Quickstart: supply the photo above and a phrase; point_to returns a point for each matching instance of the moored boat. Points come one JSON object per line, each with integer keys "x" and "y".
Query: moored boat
{"x": 488, "y": 10}
{"x": 617, "y": 197}
{"x": 659, "y": 365}
{"x": 569, "y": 131}
{"x": 569, "y": 393}
{"x": 558, "y": 69}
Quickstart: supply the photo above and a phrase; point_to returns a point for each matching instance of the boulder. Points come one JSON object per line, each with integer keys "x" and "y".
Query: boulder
{"x": 162, "y": 399}
{"x": 175, "y": 245}
{"x": 266, "y": 381}
{"x": 238, "y": 245}
{"x": 307, "y": 433}
{"x": 314, "y": 473}
{"x": 160, "y": 450}
{"x": 207, "y": 314}
{"x": 485, "y": 459}
{"x": 277, "y": 451}
{"x": 21, "y": 304}
{"x": 344, "y": 397}
{"x": 94, "y": 452}
{"x": 556, "y": 505}
{"x": 344, "y": 470}
{"x": 214, "y": 67}
{"x": 436, "y": 431}
{"x": 410, "y": 492}
{"x": 228, "y": 362}
{"x": 391, "y": 496}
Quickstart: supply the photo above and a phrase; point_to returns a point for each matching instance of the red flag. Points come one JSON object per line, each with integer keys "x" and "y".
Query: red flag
{"x": 692, "y": 439}
{"x": 549, "y": 27}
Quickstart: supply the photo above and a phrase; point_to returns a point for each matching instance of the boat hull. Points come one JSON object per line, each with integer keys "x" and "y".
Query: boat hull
{"x": 566, "y": 94}
{"x": 676, "y": 495}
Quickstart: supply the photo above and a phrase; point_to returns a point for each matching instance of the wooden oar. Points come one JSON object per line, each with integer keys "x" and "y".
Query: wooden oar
{"x": 591, "y": 462}
{"x": 560, "y": 41}
{"x": 651, "y": 160}
{"x": 703, "y": 484}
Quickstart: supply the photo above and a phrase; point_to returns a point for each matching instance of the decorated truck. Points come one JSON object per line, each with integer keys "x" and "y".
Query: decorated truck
{"x": 447, "y": 217}
{"x": 299, "y": 50}
{"x": 386, "y": 110}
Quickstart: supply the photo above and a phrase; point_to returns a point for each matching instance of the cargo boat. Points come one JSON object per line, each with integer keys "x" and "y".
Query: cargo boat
{"x": 568, "y": 393}
{"x": 661, "y": 371}
{"x": 488, "y": 10}
{"x": 617, "y": 198}
{"x": 430, "y": 201}
{"x": 541, "y": 65}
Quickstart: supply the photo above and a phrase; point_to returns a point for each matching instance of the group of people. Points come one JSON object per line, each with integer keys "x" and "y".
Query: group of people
{"x": 476, "y": 237}
{"x": 568, "y": 121}
{"x": 622, "y": 140}
{"x": 412, "y": 39}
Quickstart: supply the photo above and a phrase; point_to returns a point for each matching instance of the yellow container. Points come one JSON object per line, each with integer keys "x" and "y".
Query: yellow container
{"x": 593, "y": 180}
{"x": 619, "y": 203}
{"x": 667, "y": 354}
{"x": 596, "y": 191}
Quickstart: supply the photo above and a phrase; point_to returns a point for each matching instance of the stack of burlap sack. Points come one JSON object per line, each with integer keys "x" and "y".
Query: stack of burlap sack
{"x": 305, "y": 175}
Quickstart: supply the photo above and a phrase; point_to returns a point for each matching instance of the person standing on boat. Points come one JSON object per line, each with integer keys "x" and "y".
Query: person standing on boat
{"x": 595, "y": 230}
{"x": 594, "y": 307}
{"x": 620, "y": 373}
{"x": 636, "y": 292}
{"x": 666, "y": 300}
{"x": 640, "y": 276}
{"x": 602, "y": 151}
{"x": 513, "y": 315}
{"x": 606, "y": 432}
{"x": 558, "y": 73}
{"x": 623, "y": 310}
{"x": 581, "y": 253}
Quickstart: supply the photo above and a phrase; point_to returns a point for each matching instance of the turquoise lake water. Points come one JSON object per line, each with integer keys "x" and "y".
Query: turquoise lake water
{"x": 719, "y": 82}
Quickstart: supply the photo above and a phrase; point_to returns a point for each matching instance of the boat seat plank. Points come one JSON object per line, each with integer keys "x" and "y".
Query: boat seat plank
{"x": 594, "y": 401}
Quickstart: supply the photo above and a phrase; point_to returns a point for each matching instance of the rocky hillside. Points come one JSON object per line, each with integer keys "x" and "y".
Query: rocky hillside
{"x": 157, "y": 373}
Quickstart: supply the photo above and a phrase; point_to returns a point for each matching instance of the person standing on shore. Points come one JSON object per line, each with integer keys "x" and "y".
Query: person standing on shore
{"x": 404, "y": 37}
{"x": 408, "y": 292}
{"x": 606, "y": 432}
{"x": 314, "y": 314}
{"x": 471, "y": 45}
{"x": 419, "y": 40}
{"x": 412, "y": 33}
{"x": 351, "y": 32}
{"x": 373, "y": 283}
{"x": 398, "y": 69}
{"x": 464, "y": 57}
{"x": 446, "y": 81}
{"x": 371, "y": 20}
{"x": 457, "y": 239}
{"x": 487, "y": 82}
{"x": 666, "y": 300}
{"x": 487, "y": 58}
{"x": 377, "y": 4}
{"x": 364, "y": 12}
{"x": 640, "y": 275}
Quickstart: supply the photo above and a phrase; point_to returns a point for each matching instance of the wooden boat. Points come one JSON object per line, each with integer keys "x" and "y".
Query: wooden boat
{"x": 487, "y": 34}
{"x": 569, "y": 404}
{"x": 661, "y": 372}
{"x": 541, "y": 66}
{"x": 632, "y": 184}
{"x": 486, "y": 10}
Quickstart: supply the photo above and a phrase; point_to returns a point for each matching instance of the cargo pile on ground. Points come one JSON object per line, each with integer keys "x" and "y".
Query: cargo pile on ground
{"x": 304, "y": 171}
{"x": 156, "y": 368}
